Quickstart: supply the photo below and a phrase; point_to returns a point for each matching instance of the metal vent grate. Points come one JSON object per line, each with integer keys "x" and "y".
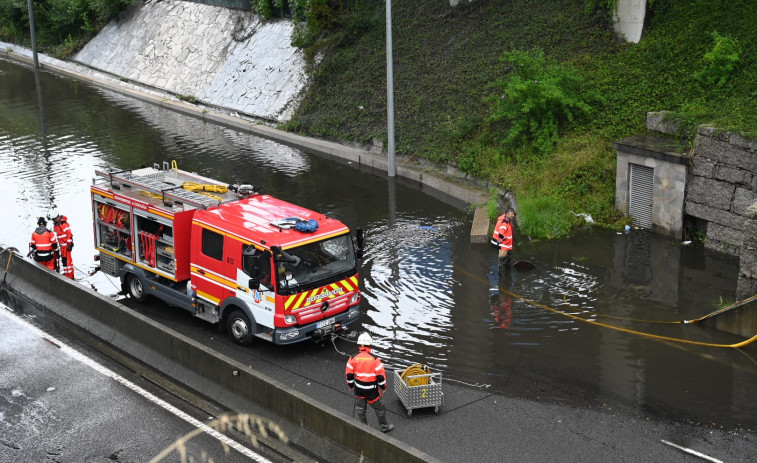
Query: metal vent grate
{"x": 640, "y": 187}
{"x": 110, "y": 265}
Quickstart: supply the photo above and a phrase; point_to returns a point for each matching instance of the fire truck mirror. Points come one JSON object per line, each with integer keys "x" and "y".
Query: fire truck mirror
{"x": 253, "y": 283}
{"x": 281, "y": 256}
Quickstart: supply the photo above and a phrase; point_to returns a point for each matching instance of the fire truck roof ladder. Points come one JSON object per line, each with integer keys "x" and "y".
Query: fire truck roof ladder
{"x": 156, "y": 185}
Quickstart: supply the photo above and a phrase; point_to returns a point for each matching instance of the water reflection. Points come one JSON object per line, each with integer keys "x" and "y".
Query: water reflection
{"x": 568, "y": 330}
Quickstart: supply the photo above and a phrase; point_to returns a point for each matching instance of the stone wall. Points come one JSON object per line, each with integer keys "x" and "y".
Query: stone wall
{"x": 722, "y": 188}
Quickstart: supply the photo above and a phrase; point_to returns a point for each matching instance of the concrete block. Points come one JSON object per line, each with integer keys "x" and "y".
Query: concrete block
{"x": 745, "y": 202}
{"x": 733, "y": 175}
{"x": 722, "y": 217}
{"x": 703, "y": 167}
{"x": 726, "y": 153}
{"x": 712, "y": 193}
{"x": 479, "y": 232}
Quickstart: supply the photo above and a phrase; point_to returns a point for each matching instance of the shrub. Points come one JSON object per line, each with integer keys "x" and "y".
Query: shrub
{"x": 538, "y": 97}
{"x": 720, "y": 61}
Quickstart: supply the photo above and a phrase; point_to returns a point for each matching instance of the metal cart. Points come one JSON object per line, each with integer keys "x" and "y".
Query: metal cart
{"x": 420, "y": 396}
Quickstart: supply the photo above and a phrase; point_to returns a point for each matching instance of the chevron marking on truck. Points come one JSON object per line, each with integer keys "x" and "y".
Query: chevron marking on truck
{"x": 331, "y": 291}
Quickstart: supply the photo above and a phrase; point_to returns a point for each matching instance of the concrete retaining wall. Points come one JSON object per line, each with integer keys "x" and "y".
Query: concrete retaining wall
{"x": 193, "y": 364}
{"x": 222, "y": 57}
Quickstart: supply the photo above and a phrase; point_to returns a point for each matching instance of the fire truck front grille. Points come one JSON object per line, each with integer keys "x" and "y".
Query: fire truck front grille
{"x": 314, "y": 312}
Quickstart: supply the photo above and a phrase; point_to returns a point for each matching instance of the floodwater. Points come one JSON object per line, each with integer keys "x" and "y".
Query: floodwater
{"x": 585, "y": 326}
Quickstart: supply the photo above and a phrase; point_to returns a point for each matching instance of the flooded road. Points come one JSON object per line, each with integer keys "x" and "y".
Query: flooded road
{"x": 587, "y": 325}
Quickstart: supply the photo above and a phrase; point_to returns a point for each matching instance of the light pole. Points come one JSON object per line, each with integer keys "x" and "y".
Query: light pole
{"x": 32, "y": 27}
{"x": 391, "y": 170}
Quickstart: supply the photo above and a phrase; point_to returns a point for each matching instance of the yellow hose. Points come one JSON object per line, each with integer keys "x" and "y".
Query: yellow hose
{"x": 416, "y": 370}
{"x": 618, "y": 328}
{"x": 206, "y": 189}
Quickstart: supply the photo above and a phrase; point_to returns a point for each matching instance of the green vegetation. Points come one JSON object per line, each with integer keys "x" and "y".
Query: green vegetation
{"x": 191, "y": 99}
{"x": 698, "y": 60}
{"x": 550, "y": 142}
{"x": 545, "y": 217}
{"x": 721, "y": 61}
{"x": 722, "y": 302}
{"x": 539, "y": 97}
{"x": 63, "y": 26}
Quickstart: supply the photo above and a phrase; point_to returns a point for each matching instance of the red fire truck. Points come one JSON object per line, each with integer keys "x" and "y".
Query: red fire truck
{"x": 256, "y": 265}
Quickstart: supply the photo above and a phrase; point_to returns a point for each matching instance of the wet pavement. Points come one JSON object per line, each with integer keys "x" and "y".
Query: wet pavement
{"x": 58, "y": 405}
{"x": 476, "y": 422}
{"x": 44, "y": 385}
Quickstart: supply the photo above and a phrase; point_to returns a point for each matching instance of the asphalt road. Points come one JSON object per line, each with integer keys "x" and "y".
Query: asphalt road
{"x": 475, "y": 424}
{"x": 59, "y": 405}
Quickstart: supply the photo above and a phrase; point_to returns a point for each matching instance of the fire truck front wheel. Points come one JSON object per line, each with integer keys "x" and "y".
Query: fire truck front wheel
{"x": 136, "y": 290}
{"x": 240, "y": 328}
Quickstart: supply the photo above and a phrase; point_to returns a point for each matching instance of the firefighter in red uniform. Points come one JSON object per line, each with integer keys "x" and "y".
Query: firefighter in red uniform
{"x": 502, "y": 238}
{"x": 65, "y": 241}
{"x": 367, "y": 379}
{"x": 503, "y": 312}
{"x": 44, "y": 245}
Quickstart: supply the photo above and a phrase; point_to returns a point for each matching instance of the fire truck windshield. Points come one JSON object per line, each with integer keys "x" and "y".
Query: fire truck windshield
{"x": 316, "y": 264}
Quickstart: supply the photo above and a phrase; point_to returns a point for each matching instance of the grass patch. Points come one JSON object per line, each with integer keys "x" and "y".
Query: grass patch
{"x": 545, "y": 217}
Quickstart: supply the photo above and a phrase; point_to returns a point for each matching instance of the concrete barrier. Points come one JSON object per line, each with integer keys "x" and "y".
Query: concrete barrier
{"x": 210, "y": 373}
{"x": 480, "y": 229}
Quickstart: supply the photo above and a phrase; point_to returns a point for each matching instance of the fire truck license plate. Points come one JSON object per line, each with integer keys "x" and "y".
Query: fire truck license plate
{"x": 327, "y": 322}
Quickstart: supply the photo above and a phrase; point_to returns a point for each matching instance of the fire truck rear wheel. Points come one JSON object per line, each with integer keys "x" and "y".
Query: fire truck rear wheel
{"x": 136, "y": 290}
{"x": 240, "y": 328}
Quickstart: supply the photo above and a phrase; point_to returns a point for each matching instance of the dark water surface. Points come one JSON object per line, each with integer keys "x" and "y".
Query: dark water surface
{"x": 582, "y": 327}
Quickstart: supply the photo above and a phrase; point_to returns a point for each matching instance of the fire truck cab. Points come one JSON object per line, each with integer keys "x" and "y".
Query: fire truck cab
{"x": 256, "y": 265}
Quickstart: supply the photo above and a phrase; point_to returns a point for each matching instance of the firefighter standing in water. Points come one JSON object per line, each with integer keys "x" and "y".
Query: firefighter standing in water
{"x": 44, "y": 245}
{"x": 65, "y": 241}
{"x": 502, "y": 238}
{"x": 367, "y": 379}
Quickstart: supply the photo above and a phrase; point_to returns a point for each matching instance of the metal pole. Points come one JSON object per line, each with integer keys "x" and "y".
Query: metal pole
{"x": 33, "y": 28}
{"x": 391, "y": 170}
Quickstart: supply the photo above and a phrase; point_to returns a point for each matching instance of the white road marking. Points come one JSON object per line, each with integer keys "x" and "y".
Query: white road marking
{"x": 120, "y": 379}
{"x": 693, "y": 452}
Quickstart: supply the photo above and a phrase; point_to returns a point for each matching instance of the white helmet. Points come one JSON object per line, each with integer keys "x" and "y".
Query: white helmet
{"x": 364, "y": 340}
{"x": 52, "y": 213}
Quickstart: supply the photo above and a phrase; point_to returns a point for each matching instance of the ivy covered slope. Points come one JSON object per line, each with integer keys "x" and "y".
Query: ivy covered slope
{"x": 530, "y": 95}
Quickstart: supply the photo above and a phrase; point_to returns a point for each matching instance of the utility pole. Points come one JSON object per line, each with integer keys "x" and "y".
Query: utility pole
{"x": 391, "y": 170}
{"x": 33, "y": 28}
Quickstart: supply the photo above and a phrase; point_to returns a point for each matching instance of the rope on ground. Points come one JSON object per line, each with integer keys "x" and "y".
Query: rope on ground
{"x": 478, "y": 385}
{"x": 93, "y": 286}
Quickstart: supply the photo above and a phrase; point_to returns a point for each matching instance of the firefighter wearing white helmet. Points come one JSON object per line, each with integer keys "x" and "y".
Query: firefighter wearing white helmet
{"x": 62, "y": 230}
{"x": 43, "y": 246}
{"x": 364, "y": 340}
{"x": 366, "y": 377}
